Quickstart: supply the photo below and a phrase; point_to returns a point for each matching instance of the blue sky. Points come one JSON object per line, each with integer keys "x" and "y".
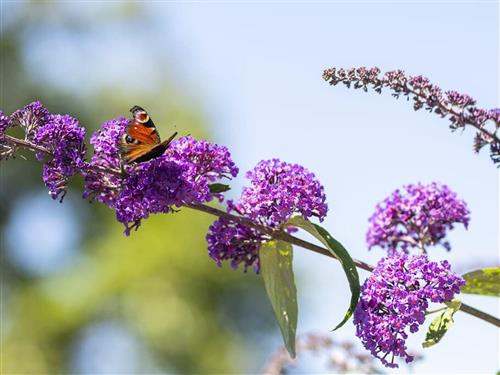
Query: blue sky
{"x": 256, "y": 69}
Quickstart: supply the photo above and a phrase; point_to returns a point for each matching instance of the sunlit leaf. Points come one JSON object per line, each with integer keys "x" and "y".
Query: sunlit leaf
{"x": 485, "y": 281}
{"x": 276, "y": 269}
{"x": 341, "y": 253}
{"x": 440, "y": 325}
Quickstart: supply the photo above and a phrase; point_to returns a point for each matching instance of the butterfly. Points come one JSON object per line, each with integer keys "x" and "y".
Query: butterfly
{"x": 141, "y": 141}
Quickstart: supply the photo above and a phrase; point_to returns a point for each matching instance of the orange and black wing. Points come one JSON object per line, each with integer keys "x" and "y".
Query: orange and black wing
{"x": 141, "y": 141}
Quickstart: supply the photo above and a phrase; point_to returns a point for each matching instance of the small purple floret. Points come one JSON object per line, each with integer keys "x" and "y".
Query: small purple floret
{"x": 494, "y": 114}
{"x": 394, "y": 299}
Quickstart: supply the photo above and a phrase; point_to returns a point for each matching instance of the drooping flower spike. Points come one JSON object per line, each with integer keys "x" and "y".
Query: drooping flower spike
{"x": 460, "y": 109}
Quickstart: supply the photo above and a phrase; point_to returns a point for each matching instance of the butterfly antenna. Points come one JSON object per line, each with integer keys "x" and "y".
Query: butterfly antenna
{"x": 170, "y": 139}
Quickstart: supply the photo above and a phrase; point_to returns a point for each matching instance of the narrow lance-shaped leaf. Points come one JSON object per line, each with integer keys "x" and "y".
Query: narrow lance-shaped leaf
{"x": 485, "y": 281}
{"x": 276, "y": 269}
{"x": 441, "y": 324}
{"x": 342, "y": 255}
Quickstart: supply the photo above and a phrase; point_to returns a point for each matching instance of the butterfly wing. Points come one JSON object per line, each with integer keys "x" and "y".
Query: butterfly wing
{"x": 132, "y": 153}
{"x": 137, "y": 141}
{"x": 140, "y": 156}
{"x": 141, "y": 142}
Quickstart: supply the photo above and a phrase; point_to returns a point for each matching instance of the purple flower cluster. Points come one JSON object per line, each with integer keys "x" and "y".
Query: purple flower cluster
{"x": 394, "y": 300}
{"x": 62, "y": 136}
{"x": 181, "y": 176}
{"x": 30, "y": 117}
{"x": 178, "y": 177}
{"x": 152, "y": 187}
{"x": 234, "y": 242}
{"x": 105, "y": 142}
{"x": 460, "y": 109}
{"x": 416, "y": 216}
{"x": 277, "y": 191}
{"x": 99, "y": 185}
{"x": 205, "y": 163}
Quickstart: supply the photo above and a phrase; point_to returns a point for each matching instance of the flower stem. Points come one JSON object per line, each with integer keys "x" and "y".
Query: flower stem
{"x": 26, "y": 144}
{"x": 480, "y": 314}
{"x": 445, "y": 109}
{"x": 281, "y": 235}
{"x": 429, "y": 312}
{"x": 33, "y": 147}
{"x": 277, "y": 234}
{"x": 405, "y": 88}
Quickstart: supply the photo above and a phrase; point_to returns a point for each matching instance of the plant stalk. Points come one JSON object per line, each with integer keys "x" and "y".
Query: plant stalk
{"x": 273, "y": 233}
{"x": 281, "y": 235}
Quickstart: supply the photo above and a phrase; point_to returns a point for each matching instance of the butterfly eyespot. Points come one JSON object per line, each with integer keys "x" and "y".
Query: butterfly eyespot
{"x": 142, "y": 117}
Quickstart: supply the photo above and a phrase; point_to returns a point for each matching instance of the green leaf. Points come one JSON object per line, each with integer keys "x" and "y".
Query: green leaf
{"x": 276, "y": 269}
{"x": 218, "y": 188}
{"x": 485, "y": 281}
{"x": 454, "y": 304}
{"x": 440, "y": 324}
{"x": 341, "y": 253}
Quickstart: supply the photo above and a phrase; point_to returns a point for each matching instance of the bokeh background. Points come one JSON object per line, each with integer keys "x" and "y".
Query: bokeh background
{"x": 77, "y": 296}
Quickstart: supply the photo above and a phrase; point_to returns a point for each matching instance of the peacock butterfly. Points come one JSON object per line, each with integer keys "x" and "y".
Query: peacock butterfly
{"x": 141, "y": 141}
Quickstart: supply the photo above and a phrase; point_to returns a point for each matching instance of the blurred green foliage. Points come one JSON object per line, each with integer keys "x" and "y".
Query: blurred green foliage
{"x": 191, "y": 316}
